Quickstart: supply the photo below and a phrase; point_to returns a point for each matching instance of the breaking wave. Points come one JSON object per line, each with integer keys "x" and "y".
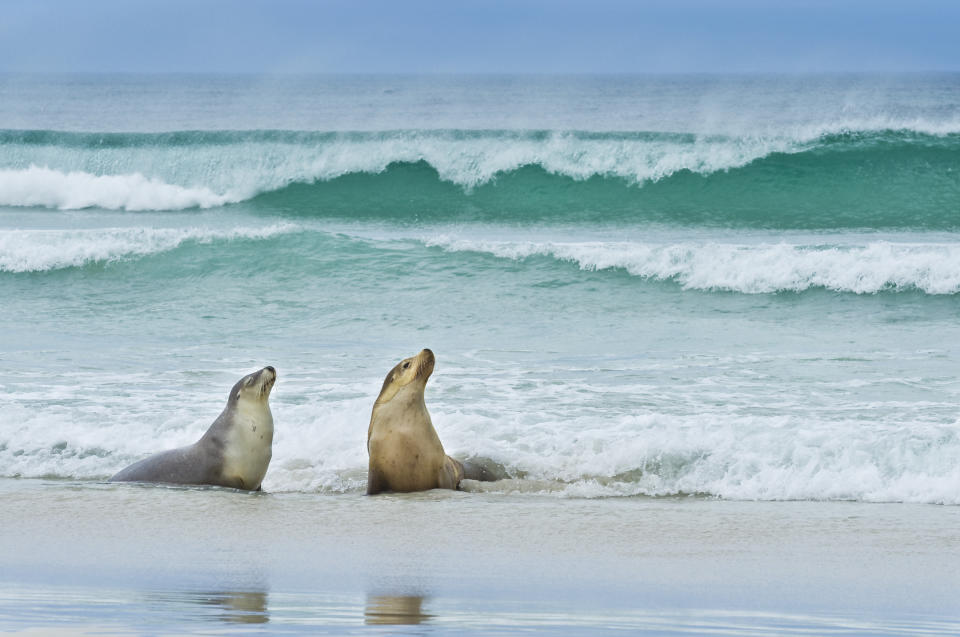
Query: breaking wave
{"x": 809, "y": 179}
{"x": 44, "y": 250}
{"x": 750, "y": 269}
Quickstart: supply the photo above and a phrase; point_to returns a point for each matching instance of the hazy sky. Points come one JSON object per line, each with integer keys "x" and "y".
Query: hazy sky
{"x": 492, "y": 36}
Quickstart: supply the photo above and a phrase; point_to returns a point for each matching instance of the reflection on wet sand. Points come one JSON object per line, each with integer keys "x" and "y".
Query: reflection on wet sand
{"x": 245, "y": 607}
{"x": 395, "y": 609}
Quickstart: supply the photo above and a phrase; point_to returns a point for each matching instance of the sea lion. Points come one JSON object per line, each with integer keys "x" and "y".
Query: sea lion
{"x": 405, "y": 451}
{"x": 235, "y": 451}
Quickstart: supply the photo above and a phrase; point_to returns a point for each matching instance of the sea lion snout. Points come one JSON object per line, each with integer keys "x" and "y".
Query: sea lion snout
{"x": 267, "y": 377}
{"x": 260, "y": 382}
{"x": 426, "y": 363}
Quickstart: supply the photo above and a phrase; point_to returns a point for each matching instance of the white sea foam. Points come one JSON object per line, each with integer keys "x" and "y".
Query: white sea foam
{"x": 572, "y": 438}
{"x": 74, "y": 190}
{"x": 41, "y": 250}
{"x": 565, "y": 449}
{"x": 870, "y": 267}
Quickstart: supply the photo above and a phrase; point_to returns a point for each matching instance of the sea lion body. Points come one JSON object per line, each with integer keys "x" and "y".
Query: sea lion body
{"x": 405, "y": 451}
{"x": 234, "y": 452}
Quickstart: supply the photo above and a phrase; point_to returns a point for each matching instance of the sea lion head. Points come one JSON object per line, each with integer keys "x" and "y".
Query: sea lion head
{"x": 408, "y": 377}
{"x": 254, "y": 387}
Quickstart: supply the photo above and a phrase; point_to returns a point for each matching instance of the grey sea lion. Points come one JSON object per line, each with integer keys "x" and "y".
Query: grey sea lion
{"x": 234, "y": 452}
{"x": 405, "y": 450}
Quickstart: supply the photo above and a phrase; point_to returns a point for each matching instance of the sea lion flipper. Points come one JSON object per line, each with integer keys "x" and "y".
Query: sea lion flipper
{"x": 483, "y": 470}
{"x": 451, "y": 474}
{"x": 236, "y": 482}
{"x": 375, "y": 482}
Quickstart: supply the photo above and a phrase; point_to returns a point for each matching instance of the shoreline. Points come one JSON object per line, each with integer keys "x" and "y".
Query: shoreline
{"x": 141, "y": 559}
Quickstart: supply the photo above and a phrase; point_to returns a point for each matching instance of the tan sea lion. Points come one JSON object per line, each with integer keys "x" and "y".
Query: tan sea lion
{"x": 405, "y": 451}
{"x": 395, "y": 610}
{"x": 234, "y": 452}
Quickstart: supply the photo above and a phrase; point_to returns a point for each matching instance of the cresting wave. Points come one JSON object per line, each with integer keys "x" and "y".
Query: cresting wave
{"x": 751, "y": 269}
{"x": 811, "y": 178}
{"x": 45, "y": 250}
{"x": 239, "y": 166}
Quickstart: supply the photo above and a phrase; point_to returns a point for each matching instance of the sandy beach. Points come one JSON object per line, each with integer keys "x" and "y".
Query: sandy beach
{"x": 88, "y": 558}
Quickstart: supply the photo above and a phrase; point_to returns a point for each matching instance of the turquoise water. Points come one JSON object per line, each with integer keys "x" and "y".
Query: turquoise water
{"x": 743, "y": 287}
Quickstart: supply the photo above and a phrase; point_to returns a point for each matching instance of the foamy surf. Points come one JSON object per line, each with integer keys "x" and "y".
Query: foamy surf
{"x": 574, "y": 440}
{"x": 319, "y": 449}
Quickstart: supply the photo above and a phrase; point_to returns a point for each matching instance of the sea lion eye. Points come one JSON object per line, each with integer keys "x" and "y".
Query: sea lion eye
{"x": 406, "y": 365}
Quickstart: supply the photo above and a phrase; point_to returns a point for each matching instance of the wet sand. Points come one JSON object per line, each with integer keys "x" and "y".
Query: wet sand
{"x": 86, "y": 558}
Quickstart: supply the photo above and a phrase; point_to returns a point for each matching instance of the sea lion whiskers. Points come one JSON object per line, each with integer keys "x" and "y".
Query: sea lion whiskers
{"x": 267, "y": 378}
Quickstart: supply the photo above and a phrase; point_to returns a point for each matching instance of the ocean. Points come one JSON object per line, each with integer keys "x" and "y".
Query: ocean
{"x": 641, "y": 290}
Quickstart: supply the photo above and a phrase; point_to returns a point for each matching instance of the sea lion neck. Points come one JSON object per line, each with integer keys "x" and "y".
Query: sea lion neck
{"x": 407, "y": 398}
